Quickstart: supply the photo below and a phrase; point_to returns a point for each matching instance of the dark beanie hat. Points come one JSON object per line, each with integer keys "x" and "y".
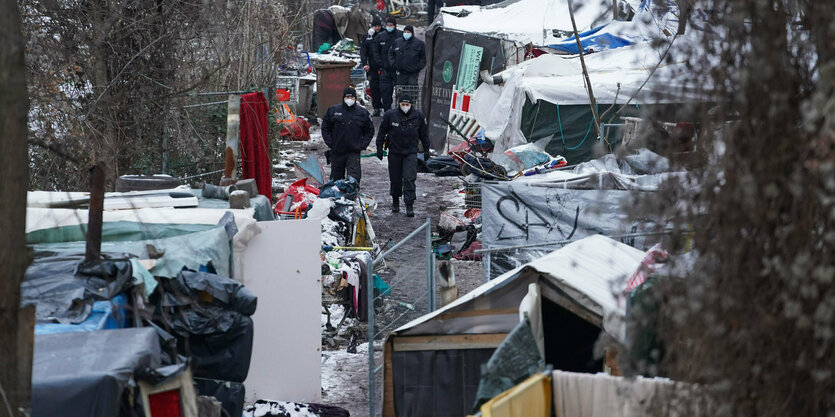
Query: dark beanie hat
{"x": 409, "y": 29}
{"x": 376, "y": 21}
{"x": 405, "y": 98}
{"x": 391, "y": 20}
{"x": 348, "y": 91}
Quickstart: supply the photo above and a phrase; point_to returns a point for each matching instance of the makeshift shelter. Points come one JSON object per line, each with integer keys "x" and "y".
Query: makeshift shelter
{"x": 338, "y": 22}
{"x": 501, "y": 30}
{"x": 432, "y": 364}
{"x": 546, "y": 97}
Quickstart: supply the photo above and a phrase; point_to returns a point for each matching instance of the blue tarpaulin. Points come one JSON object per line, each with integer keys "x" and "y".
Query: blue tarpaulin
{"x": 593, "y": 40}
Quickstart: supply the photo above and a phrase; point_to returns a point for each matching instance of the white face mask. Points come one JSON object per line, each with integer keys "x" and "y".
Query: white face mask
{"x": 349, "y": 102}
{"x": 405, "y": 108}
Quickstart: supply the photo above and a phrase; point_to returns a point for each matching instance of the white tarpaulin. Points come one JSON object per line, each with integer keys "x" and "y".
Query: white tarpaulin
{"x": 527, "y": 20}
{"x": 616, "y": 75}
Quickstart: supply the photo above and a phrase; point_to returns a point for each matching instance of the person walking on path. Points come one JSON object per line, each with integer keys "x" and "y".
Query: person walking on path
{"x": 369, "y": 64}
{"x": 347, "y": 129}
{"x": 407, "y": 57}
{"x": 400, "y": 131}
{"x": 380, "y": 50}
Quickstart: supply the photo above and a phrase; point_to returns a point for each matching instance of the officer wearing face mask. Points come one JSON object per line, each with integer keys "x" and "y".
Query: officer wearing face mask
{"x": 370, "y": 66}
{"x": 400, "y": 131}
{"x": 408, "y": 57}
{"x": 380, "y": 50}
{"x": 347, "y": 129}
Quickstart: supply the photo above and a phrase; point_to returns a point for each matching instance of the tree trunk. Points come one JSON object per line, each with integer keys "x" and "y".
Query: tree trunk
{"x": 15, "y": 334}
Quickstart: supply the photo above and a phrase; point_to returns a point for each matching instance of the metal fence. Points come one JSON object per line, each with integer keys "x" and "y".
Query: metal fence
{"x": 379, "y": 326}
{"x": 413, "y": 90}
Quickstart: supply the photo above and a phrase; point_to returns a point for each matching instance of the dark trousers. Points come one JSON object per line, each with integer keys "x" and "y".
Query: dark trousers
{"x": 376, "y": 95}
{"x": 387, "y": 79}
{"x": 431, "y": 9}
{"x": 345, "y": 161}
{"x": 407, "y": 79}
{"x": 402, "y": 175}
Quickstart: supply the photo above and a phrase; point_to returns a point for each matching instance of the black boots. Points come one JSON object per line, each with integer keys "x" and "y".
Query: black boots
{"x": 410, "y": 211}
{"x": 395, "y": 205}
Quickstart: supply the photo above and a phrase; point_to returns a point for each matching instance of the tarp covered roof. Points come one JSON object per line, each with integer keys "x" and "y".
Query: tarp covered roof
{"x": 589, "y": 272}
{"x": 527, "y": 20}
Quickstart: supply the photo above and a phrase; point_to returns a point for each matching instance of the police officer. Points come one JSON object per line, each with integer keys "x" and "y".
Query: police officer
{"x": 407, "y": 57}
{"x": 347, "y": 129}
{"x": 400, "y": 131}
{"x": 370, "y": 65}
{"x": 380, "y": 49}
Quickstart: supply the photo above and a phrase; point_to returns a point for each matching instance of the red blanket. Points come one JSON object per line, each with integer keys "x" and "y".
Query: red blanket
{"x": 255, "y": 145}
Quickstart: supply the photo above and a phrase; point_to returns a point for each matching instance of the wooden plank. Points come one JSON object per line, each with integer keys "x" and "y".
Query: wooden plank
{"x": 448, "y": 342}
{"x": 477, "y": 313}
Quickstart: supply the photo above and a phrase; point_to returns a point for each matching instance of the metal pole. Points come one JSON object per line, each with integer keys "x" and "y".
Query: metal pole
{"x": 399, "y": 244}
{"x": 430, "y": 276}
{"x": 592, "y": 101}
{"x": 370, "y": 297}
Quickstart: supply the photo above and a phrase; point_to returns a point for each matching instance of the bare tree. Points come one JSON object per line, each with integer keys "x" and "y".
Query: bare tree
{"x": 753, "y": 320}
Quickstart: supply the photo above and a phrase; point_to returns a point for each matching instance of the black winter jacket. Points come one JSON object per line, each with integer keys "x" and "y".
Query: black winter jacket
{"x": 347, "y": 129}
{"x": 381, "y": 46}
{"x": 403, "y": 131}
{"x": 408, "y": 56}
{"x": 366, "y": 52}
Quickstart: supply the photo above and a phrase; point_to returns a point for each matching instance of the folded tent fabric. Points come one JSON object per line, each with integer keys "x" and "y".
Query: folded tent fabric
{"x": 255, "y": 146}
{"x": 531, "y": 398}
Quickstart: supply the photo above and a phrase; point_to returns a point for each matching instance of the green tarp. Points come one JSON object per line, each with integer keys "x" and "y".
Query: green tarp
{"x": 119, "y": 231}
{"x": 572, "y": 126}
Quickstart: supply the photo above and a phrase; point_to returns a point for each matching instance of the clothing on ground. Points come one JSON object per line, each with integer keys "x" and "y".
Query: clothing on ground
{"x": 402, "y": 175}
{"x": 255, "y": 146}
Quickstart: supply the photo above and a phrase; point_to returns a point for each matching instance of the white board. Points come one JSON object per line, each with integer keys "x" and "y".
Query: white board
{"x": 283, "y": 268}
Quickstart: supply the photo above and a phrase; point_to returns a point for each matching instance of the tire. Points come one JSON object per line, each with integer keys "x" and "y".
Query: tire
{"x": 146, "y": 182}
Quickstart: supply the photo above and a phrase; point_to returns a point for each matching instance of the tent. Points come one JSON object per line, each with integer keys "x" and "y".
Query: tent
{"x": 502, "y": 30}
{"x": 338, "y": 22}
{"x": 546, "y": 96}
{"x": 432, "y": 364}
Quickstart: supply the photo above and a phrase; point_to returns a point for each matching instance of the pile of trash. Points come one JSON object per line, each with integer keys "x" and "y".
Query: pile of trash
{"x": 348, "y": 243}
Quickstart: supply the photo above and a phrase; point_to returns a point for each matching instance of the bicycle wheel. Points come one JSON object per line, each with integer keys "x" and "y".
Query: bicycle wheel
{"x": 407, "y": 12}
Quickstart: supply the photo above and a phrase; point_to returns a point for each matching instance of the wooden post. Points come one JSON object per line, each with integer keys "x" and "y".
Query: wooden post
{"x": 96, "y": 212}
{"x": 15, "y": 323}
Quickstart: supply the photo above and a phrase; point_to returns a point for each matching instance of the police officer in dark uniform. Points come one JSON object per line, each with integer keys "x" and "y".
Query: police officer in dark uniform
{"x": 347, "y": 129}
{"x": 400, "y": 131}
{"x": 408, "y": 57}
{"x": 370, "y": 65}
{"x": 380, "y": 49}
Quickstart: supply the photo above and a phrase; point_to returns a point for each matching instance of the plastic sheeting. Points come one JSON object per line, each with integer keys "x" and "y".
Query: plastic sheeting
{"x": 616, "y": 75}
{"x": 230, "y": 394}
{"x": 63, "y": 291}
{"x": 209, "y": 314}
{"x": 85, "y": 374}
{"x": 567, "y": 205}
{"x": 514, "y": 360}
{"x": 541, "y": 22}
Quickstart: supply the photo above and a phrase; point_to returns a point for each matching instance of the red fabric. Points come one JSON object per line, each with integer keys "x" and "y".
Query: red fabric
{"x": 300, "y": 130}
{"x": 302, "y": 194}
{"x": 255, "y": 145}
